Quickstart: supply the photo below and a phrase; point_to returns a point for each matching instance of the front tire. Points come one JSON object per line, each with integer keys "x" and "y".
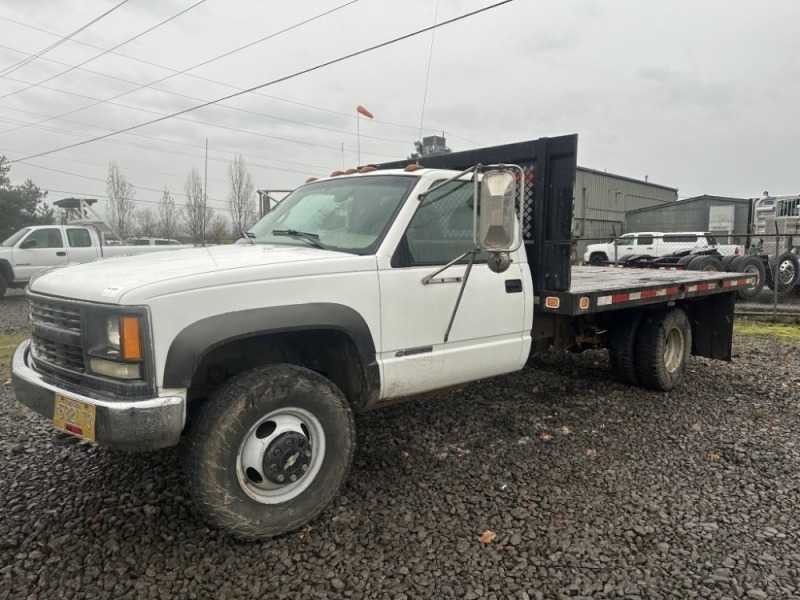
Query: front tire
{"x": 597, "y": 259}
{"x": 663, "y": 346}
{"x": 270, "y": 449}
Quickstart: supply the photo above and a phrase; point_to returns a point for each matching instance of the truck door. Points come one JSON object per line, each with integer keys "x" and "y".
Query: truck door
{"x": 79, "y": 245}
{"x": 645, "y": 244}
{"x": 488, "y": 336}
{"x": 40, "y": 249}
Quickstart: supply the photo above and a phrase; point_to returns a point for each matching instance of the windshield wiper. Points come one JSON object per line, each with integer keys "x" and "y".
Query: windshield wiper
{"x": 311, "y": 238}
{"x": 248, "y": 235}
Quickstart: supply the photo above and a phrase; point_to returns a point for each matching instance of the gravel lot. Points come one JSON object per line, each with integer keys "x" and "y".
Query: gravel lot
{"x": 593, "y": 489}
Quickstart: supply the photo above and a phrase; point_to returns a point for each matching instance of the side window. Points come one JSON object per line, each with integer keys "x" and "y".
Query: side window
{"x": 644, "y": 240}
{"x": 681, "y": 239}
{"x": 46, "y": 238}
{"x": 440, "y": 230}
{"x": 625, "y": 241}
{"x": 79, "y": 238}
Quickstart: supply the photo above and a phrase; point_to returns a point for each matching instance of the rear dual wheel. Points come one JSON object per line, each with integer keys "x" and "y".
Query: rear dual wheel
{"x": 651, "y": 349}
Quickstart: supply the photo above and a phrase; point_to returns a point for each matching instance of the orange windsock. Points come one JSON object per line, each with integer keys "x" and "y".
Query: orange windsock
{"x": 360, "y": 109}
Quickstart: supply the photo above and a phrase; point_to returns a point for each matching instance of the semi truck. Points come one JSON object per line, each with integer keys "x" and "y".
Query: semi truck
{"x": 368, "y": 287}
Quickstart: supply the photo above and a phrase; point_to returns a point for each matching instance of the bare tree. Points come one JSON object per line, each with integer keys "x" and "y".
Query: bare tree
{"x": 168, "y": 215}
{"x": 218, "y": 232}
{"x": 241, "y": 203}
{"x": 196, "y": 214}
{"x": 121, "y": 203}
{"x": 146, "y": 222}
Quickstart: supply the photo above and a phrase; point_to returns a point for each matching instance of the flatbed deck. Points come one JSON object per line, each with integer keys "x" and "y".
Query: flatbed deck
{"x": 600, "y": 289}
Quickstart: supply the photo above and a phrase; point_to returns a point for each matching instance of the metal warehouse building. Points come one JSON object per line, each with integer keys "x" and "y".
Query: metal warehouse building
{"x": 602, "y": 201}
{"x": 727, "y": 218}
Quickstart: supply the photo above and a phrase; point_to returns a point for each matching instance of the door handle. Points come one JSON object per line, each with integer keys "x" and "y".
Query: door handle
{"x": 62, "y": 253}
{"x": 513, "y": 286}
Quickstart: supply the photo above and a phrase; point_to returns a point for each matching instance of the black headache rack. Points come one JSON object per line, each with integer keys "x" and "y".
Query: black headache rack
{"x": 549, "y": 166}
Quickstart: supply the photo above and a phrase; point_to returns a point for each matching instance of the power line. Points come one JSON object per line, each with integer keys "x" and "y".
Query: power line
{"x": 197, "y": 122}
{"x": 178, "y": 153}
{"x": 137, "y": 36}
{"x": 43, "y": 51}
{"x": 280, "y": 79}
{"x": 141, "y": 86}
{"x": 348, "y": 115}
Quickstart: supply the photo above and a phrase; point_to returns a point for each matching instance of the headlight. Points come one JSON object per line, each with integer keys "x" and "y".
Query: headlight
{"x": 116, "y": 344}
{"x": 123, "y": 334}
{"x": 112, "y": 332}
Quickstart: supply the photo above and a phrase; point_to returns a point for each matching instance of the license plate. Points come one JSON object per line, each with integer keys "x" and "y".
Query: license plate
{"x": 75, "y": 417}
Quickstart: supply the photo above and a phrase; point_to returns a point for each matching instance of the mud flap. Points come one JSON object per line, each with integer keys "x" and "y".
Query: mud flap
{"x": 712, "y": 325}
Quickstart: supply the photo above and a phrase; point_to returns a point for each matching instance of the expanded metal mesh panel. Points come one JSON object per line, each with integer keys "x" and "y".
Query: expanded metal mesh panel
{"x": 527, "y": 202}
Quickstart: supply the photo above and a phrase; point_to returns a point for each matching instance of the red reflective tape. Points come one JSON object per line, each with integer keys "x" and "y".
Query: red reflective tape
{"x": 649, "y": 294}
{"x": 619, "y": 298}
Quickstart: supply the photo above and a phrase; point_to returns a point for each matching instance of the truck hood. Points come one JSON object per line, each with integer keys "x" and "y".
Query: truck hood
{"x": 132, "y": 279}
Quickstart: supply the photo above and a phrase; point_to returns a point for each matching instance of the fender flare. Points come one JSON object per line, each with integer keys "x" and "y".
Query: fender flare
{"x": 6, "y": 271}
{"x": 196, "y": 341}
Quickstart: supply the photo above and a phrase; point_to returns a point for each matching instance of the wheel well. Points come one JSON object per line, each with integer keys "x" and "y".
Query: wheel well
{"x": 329, "y": 352}
{"x": 6, "y": 272}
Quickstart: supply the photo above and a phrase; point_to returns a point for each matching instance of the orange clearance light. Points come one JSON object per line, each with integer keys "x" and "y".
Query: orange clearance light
{"x": 130, "y": 340}
{"x": 367, "y": 169}
{"x": 552, "y": 302}
{"x": 310, "y": 179}
{"x": 413, "y": 167}
{"x": 337, "y": 173}
{"x": 583, "y": 303}
{"x": 350, "y": 171}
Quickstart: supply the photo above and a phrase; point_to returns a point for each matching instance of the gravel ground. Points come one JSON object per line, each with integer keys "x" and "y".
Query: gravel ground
{"x": 593, "y": 489}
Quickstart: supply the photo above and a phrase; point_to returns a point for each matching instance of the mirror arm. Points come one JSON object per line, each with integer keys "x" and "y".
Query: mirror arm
{"x": 461, "y": 292}
{"x": 427, "y": 279}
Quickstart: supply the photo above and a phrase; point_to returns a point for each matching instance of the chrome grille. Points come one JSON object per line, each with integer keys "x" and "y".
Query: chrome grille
{"x": 56, "y": 340}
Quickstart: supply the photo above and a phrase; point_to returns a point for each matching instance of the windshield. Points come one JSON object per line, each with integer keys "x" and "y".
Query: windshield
{"x": 16, "y": 237}
{"x": 349, "y": 214}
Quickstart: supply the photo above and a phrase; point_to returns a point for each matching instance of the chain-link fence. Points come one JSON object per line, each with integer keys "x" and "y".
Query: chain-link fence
{"x": 773, "y": 260}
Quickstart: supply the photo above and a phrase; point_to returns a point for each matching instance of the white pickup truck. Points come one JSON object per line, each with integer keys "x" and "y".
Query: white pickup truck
{"x": 33, "y": 249}
{"x": 356, "y": 291}
{"x": 655, "y": 244}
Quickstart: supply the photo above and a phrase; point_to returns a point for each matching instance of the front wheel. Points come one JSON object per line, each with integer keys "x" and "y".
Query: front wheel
{"x": 597, "y": 260}
{"x": 269, "y": 451}
{"x": 663, "y": 346}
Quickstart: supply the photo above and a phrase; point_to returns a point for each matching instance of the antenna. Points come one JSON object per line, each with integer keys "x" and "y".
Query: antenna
{"x": 428, "y": 74}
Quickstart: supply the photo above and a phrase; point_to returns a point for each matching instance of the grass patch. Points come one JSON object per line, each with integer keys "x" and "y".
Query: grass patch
{"x": 783, "y": 331}
{"x": 7, "y": 345}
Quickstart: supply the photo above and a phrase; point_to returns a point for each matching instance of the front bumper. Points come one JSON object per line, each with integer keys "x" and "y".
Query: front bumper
{"x": 145, "y": 424}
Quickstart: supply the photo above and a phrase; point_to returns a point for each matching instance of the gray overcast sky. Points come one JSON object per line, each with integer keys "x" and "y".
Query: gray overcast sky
{"x": 701, "y": 96}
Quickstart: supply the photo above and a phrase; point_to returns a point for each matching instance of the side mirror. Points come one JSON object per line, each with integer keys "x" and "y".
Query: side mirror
{"x": 29, "y": 244}
{"x": 497, "y": 221}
